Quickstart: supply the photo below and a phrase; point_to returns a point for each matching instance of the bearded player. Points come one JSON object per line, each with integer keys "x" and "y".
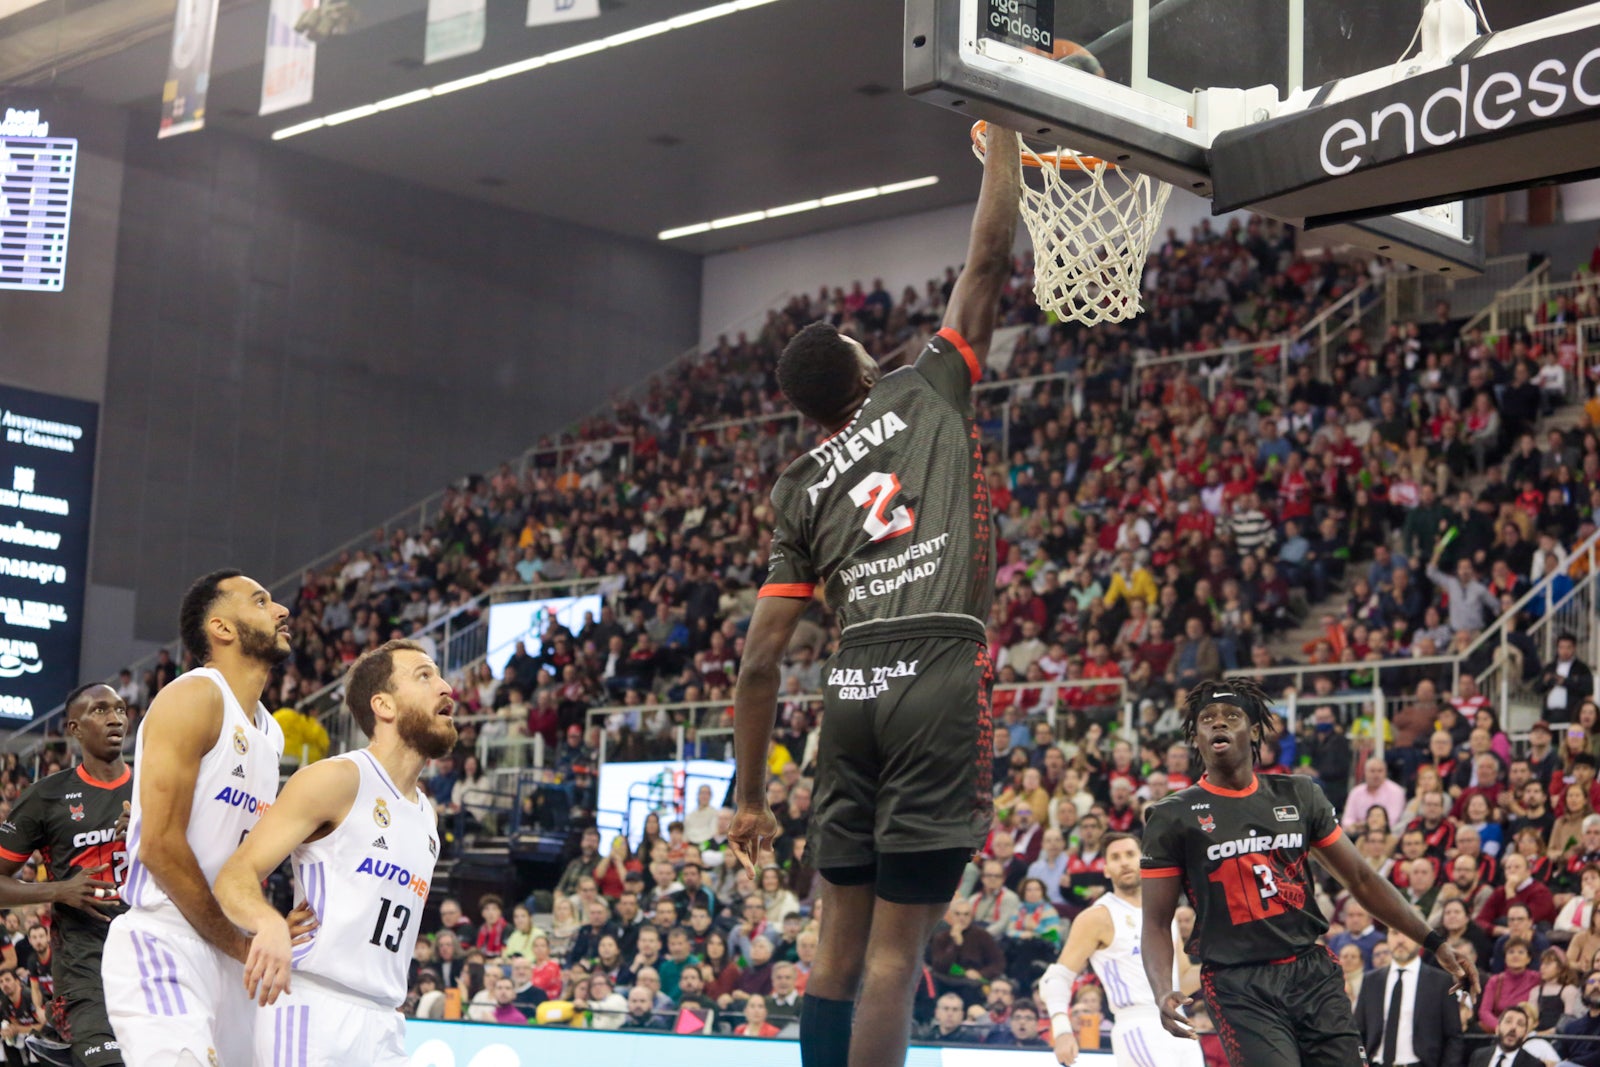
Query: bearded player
{"x": 363, "y": 841}
{"x": 1238, "y": 846}
{"x": 76, "y": 819}
{"x": 890, "y": 514}
{"x": 1107, "y": 935}
{"x": 205, "y": 770}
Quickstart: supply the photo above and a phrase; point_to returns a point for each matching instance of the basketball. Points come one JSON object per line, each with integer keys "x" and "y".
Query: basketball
{"x": 1076, "y": 56}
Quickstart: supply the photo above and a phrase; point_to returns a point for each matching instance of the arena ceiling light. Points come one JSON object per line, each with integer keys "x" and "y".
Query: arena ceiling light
{"x": 522, "y": 66}
{"x": 794, "y": 209}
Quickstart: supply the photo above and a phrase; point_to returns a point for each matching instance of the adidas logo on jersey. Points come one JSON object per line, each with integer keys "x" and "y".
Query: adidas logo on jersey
{"x": 238, "y": 770}
{"x": 381, "y": 843}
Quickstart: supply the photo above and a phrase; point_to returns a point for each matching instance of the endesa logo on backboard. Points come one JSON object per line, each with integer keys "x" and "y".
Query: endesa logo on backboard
{"x": 1484, "y": 97}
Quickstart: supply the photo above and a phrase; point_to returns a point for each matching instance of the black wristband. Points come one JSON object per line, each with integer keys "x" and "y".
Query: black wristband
{"x": 1431, "y": 943}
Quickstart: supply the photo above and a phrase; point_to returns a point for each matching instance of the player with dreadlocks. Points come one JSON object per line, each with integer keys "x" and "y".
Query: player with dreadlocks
{"x": 1237, "y": 845}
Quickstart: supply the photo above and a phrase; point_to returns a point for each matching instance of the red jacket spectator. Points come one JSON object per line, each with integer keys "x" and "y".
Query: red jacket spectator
{"x": 1535, "y": 894}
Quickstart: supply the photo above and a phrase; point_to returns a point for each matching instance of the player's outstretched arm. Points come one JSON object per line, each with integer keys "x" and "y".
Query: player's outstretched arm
{"x": 314, "y": 801}
{"x": 1091, "y": 931}
{"x": 1156, "y": 949}
{"x": 755, "y": 704}
{"x": 181, "y": 726}
{"x": 975, "y": 300}
{"x": 1385, "y": 903}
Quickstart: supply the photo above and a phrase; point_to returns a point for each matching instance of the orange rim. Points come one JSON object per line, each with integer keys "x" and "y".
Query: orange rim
{"x": 1038, "y": 159}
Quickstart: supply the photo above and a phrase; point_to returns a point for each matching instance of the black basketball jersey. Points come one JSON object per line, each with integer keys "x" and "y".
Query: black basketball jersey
{"x": 1243, "y": 859}
{"x": 71, "y": 820}
{"x": 891, "y": 513}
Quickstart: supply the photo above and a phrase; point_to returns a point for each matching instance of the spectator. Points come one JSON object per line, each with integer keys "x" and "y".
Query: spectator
{"x": 755, "y": 1019}
{"x": 1509, "y": 988}
{"x": 964, "y": 956}
{"x": 505, "y": 1009}
{"x": 1572, "y": 1049}
{"x": 1376, "y": 790}
{"x": 1520, "y": 888}
{"x": 641, "y": 1013}
{"x": 1567, "y": 681}
{"x": 1021, "y": 1029}
{"x": 1519, "y": 927}
{"x": 1358, "y": 930}
{"x": 995, "y": 905}
{"x": 948, "y": 1025}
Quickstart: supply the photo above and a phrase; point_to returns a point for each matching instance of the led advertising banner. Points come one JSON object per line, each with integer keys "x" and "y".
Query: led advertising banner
{"x": 46, "y": 482}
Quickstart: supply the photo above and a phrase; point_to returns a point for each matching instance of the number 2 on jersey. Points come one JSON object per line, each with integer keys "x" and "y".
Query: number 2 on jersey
{"x": 1248, "y": 883}
{"x": 402, "y": 917}
{"x": 874, "y": 492}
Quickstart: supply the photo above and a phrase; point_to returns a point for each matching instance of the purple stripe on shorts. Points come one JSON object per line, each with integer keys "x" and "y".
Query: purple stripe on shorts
{"x": 156, "y": 977}
{"x": 305, "y": 1031}
{"x": 144, "y": 973}
{"x": 1144, "y": 1049}
{"x": 277, "y": 1037}
{"x": 172, "y": 978}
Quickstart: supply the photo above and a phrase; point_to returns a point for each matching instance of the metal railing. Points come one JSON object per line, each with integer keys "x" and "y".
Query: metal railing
{"x": 1529, "y": 304}
{"x": 1560, "y": 609}
{"x": 1411, "y": 296}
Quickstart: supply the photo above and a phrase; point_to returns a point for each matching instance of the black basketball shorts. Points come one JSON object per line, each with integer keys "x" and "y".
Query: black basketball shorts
{"x": 1292, "y": 1013}
{"x": 905, "y": 759}
{"x": 82, "y": 1002}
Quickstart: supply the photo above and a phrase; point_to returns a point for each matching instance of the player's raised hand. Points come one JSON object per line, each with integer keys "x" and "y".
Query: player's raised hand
{"x": 303, "y": 922}
{"x": 1461, "y": 969}
{"x": 753, "y": 829}
{"x": 266, "y": 966}
{"x": 1172, "y": 1020}
{"x": 87, "y": 893}
{"x": 1066, "y": 1047}
{"x": 122, "y": 821}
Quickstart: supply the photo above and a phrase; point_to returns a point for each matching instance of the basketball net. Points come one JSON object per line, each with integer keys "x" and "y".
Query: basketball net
{"x": 1090, "y": 241}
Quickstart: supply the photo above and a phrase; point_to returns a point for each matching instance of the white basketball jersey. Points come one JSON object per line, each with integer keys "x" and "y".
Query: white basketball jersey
{"x": 237, "y": 782}
{"x": 367, "y": 882}
{"x": 1119, "y": 965}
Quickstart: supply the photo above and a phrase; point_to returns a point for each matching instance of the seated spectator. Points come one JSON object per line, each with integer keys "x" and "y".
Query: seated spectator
{"x": 1519, "y": 928}
{"x": 1021, "y": 1029}
{"x": 755, "y": 1019}
{"x": 608, "y": 1009}
{"x": 994, "y": 905}
{"x": 1359, "y": 930}
{"x": 1520, "y": 888}
{"x": 948, "y": 1025}
{"x": 1510, "y": 987}
{"x": 963, "y": 956}
{"x": 641, "y": 1013}
{"x": 783, "y": 1003}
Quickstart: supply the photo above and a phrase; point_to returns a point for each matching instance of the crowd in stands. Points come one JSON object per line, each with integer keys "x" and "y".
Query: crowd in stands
{"x": 1157, "y": 525}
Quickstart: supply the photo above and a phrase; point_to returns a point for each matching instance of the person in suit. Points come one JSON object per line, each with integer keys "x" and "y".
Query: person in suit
{"x": 1566, "y": 682}
{"x": 1507, "y": 1050}
{"x": 1408, "y": 1006}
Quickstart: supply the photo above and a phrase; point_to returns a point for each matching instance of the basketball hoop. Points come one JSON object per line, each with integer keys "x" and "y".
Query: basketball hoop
{"x": 1090, "y": 242}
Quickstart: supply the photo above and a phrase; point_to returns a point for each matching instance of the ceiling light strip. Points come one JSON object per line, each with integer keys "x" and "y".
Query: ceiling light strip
{"x": 615, "y": 40}
{"x": 748, "y": 217}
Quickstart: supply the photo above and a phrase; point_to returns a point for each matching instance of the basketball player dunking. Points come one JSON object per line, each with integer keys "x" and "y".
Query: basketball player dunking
{"x": 890, "y": 514}
{"x": 363, "y": 841}
{"x": 1239, "y": 845}
{"x": 1108, "y": 934}
{"x": 77, "y": 819}
{"x": 205, "y": 770}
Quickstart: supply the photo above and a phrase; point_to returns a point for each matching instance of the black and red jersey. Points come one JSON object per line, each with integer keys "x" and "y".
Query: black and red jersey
{"x": 70, "y": 819}
{"x": 1243, "y": 856}
{"x": 890, "y": 515}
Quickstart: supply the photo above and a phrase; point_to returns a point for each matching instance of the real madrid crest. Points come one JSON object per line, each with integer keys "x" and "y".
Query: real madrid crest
{"x": 380, "y": 812}
{"x": 241, "y": 743}
{"x": 211, "y": 1056}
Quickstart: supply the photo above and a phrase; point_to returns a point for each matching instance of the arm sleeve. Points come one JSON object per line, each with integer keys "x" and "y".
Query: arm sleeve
{"x": 789, "y": 568}
{"x": 951, "y": 367}
{"x": 1322, "y": 822}
{"x": 1163, "y": 844}
{"x": 21, "y": 834}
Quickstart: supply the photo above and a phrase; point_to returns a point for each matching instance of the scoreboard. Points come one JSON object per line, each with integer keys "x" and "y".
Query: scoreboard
{"x": 36, "y": 176}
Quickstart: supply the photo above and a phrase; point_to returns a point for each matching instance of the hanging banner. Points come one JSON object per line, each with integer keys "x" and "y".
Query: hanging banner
{"x": 183, "y": 97}
{"x": 543, "y": 11}
{"x": 289, "y": 73}
{"x": 455, "y": 28}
